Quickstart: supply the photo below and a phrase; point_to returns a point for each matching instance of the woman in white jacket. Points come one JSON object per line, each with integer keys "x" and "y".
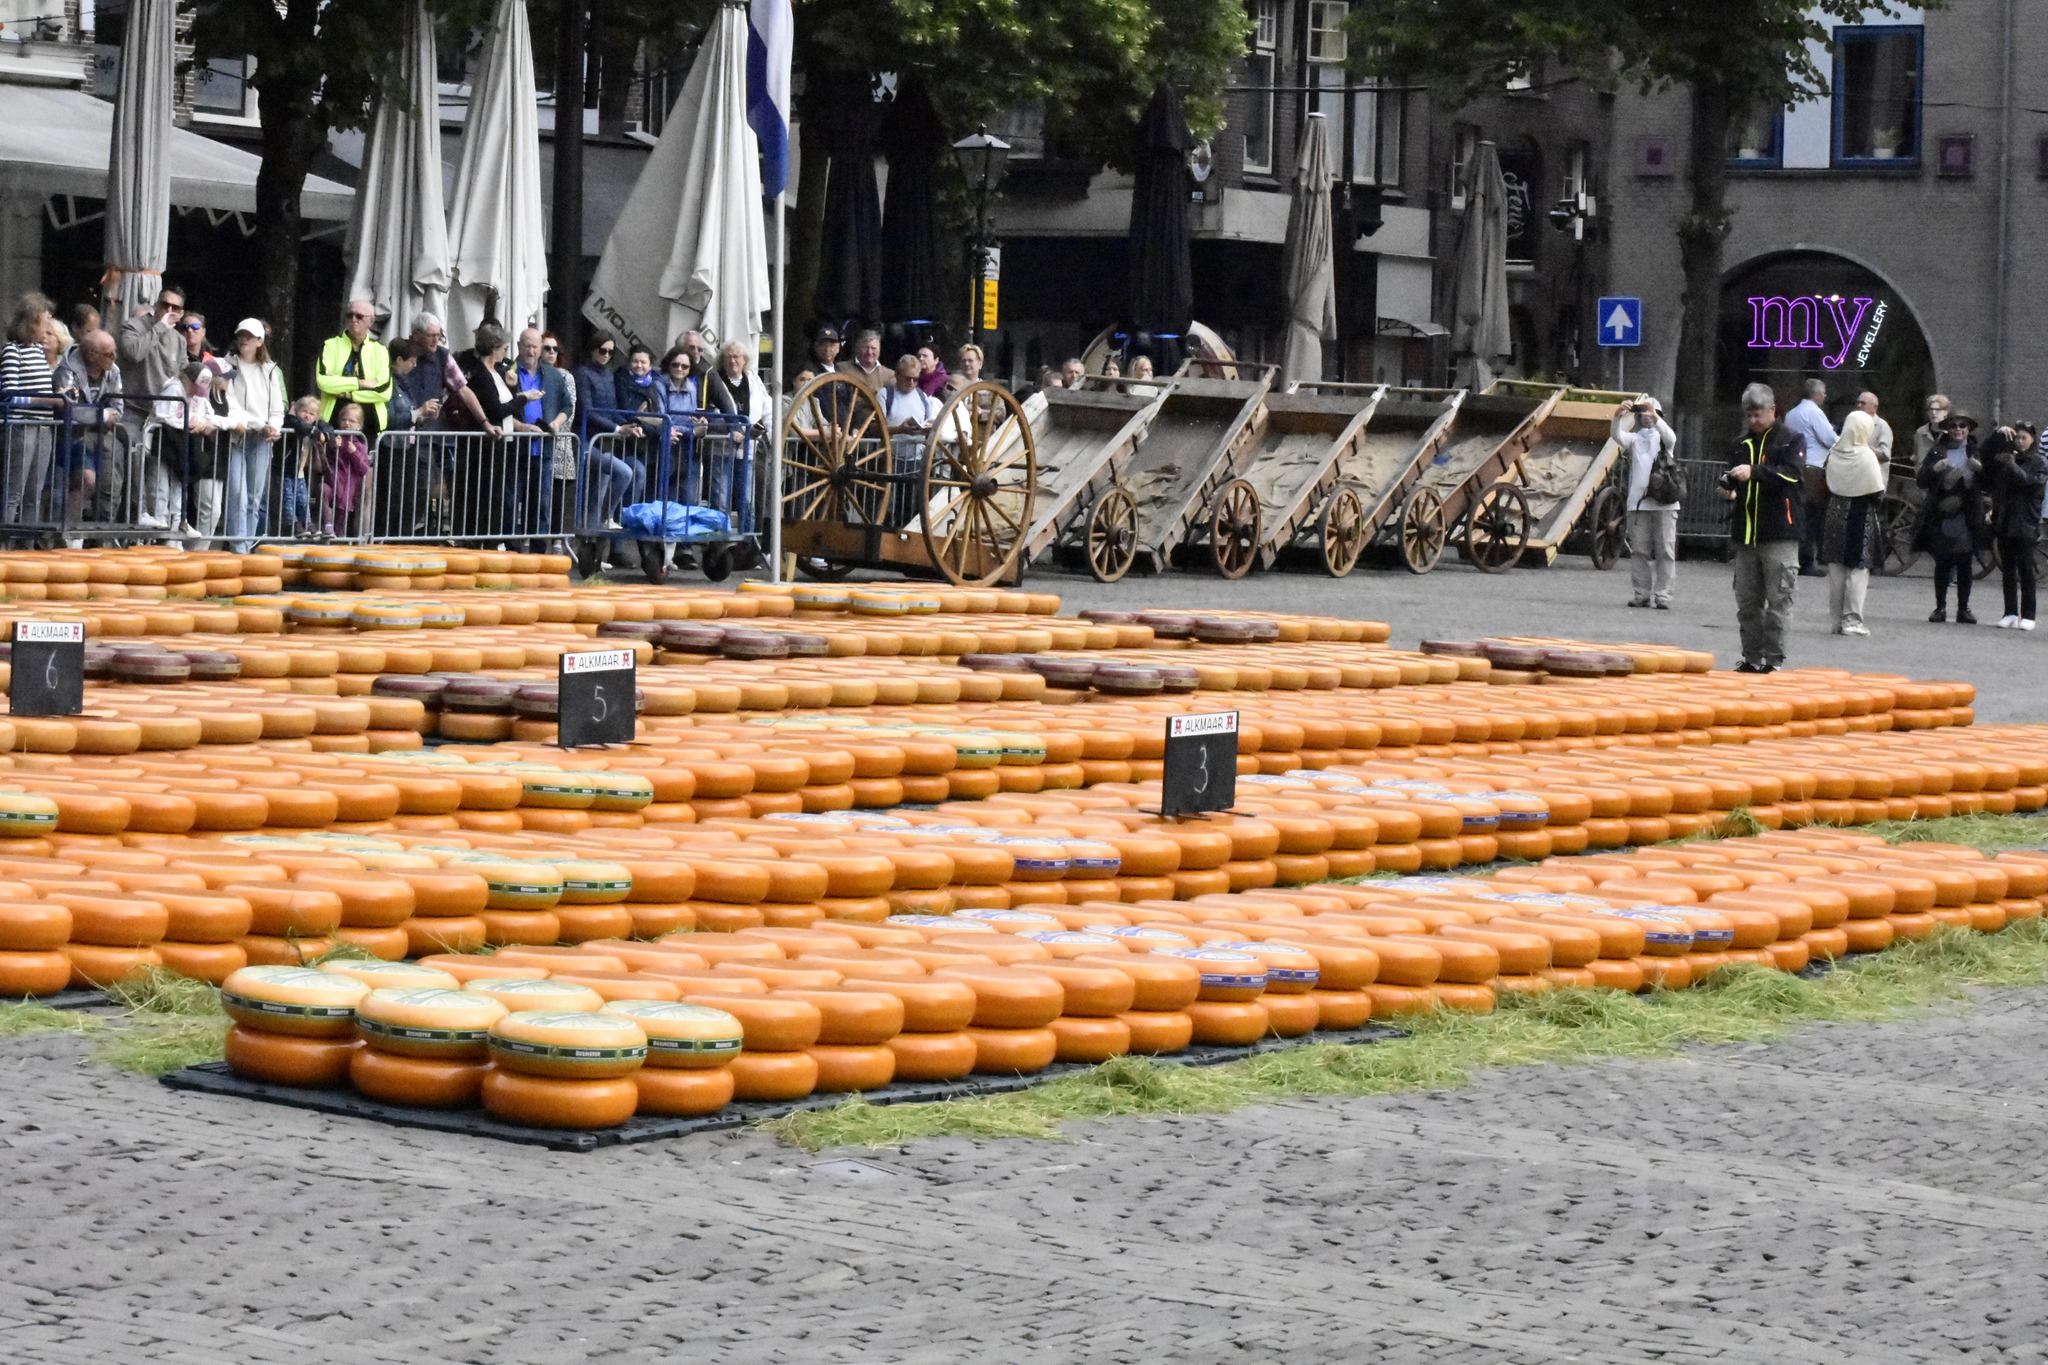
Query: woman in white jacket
{"x": 1856, "y": 476}
{"x": 1640, "y": 430}
{"x": 256, "y": 418}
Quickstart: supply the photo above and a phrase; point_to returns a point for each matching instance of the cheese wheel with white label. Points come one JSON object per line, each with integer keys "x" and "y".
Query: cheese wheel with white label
{"x": 432, "y": 1022}
{"x": 296, "y": 1000}
{"x": 568, "y": 1044}
{"x": 682, "y": 1035}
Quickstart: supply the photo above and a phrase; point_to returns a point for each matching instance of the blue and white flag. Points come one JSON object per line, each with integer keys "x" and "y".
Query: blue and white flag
{"x": 771, "y": 39}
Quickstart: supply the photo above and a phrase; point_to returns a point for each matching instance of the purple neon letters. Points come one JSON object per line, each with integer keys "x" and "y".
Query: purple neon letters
{"x": 1778, "y": 322}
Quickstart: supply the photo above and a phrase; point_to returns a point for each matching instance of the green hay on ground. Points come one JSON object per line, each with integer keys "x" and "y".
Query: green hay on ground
{"x": 19, "y": 1018}
{"x": 173, "y": 1022}
{"x": 1445, "y": 1050}
{"x": 1979, "y": 831}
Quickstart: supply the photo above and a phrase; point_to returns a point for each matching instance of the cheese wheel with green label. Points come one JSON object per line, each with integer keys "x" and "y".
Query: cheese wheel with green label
{"x": 681, "y": 1035}
{"x": 537, "y": 994}
{"x": 398, "y": 975}
{"x": 432, "y": 1022}
{"x": 303, "y": 1001}
{"x": 553, "y": 1102}
{"x": 568, "y": 1044}
{"x": 288, "y": 1059}
{"x": 431, "y": 1083}
{"x": 513, "y": 884}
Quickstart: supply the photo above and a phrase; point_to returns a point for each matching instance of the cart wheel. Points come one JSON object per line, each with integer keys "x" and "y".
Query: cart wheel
{"x": 1497, "y": 531}
{"x": 747, "y": 555}
{"x": 822, "y": 570}
{"x": 717, "y": 563}
{"x": 1610, "y": 528}
{"x": 835, "y": 453}
{"x": 1113, "y": 535}
{"x": 1423, "y": 532}
{"x": 589, "y": 556}
{"x": 1342, "y": 532}
{"x": 654, "y": 561}
{"x": 980, "y": 476}
{"x": 1234, "y": 520}
{"x": 1896, "y": 518}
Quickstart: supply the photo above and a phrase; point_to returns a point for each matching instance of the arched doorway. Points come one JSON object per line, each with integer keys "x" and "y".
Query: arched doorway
{"x": 1805, "y": 315}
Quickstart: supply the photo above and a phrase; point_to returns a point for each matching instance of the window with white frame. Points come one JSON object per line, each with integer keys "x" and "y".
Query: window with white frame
{"x": 1262, "y": 63}
{"x": 1877, "y": 95}
{"x": 1364, "y": 122}
{"x": 1464, "y": 144}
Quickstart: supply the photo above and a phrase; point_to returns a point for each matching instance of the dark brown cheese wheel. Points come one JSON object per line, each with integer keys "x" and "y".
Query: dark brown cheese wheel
{"x": 285, "y": 1059}
{"x": 550, "y": 1102}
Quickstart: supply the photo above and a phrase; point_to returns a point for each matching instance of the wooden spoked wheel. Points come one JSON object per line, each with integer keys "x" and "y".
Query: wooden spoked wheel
{"x": 1342, "y": 532}
{"x": 1609, "y": 528}
{"x": 1423, "y": 533}
{"x": 1112, "y": 535}
{"x": 980, "y": 476}
{"x": 1896, "y": 519}
{"x": 1234, "y": 529}
{"x": 835, "y": 453}
{"x": 1497, "y": 531}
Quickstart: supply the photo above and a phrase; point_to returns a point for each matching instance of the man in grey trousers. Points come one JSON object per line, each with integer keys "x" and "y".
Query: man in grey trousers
{"x": 1764, "y": 481}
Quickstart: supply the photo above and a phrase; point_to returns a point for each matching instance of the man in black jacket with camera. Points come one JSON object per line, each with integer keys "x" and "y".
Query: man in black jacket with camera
{"x": 1764, "y": 481}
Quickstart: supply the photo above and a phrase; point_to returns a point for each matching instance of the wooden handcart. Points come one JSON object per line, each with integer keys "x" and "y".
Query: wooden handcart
{"x": 1182, "y": 477}
{"x": 1083, "y": 512}
{"x": 1472, "y": 487}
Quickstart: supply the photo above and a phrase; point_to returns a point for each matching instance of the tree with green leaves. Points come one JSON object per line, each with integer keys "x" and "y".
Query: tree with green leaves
{"x": 1728, "y": 58}
{"x": 1088, "y": 65}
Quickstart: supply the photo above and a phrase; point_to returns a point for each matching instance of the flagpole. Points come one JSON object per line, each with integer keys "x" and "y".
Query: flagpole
{"x": 780, "y": 378}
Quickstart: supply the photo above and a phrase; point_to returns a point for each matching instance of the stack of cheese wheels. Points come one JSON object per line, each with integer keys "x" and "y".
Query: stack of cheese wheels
{"x": 690, "y": 1050}
{"x": 114, "y": 933}
{"x": 564, "y": 1068}
{"x": 292, "y": 1025}
{"x": 775, "y": 1061}
{"x": 1227, "y": 1009}
{"x": 33, "y": 934}
{"x": 1095, "y": 997}
{"x": 1014, "y": 1007}
{"x": 424, "y": 1045}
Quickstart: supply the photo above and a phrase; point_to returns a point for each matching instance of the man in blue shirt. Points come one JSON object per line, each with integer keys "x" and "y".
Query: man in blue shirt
{"x": 1809, "y": 422}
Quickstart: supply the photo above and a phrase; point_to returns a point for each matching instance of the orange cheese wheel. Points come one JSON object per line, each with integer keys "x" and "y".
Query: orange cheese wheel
{"x": 33, "y": 973}
{"x": 1339, "y": 966}
{"x": 553, "y": 1102}
{"x": 427, "y": 1082}
{"x": 1472, "y": 999}
{"x": 1341, "y": 1010}
{"x": 570, "y": 1044}
{"x": 933, "y": 1056}
{"x": 113, "y": 919}
{"x": 1009, "y": 997}
{"x": 1291, "y": 1016}
{"x": 466, "y": 968}
{"x": 622, "y": 985}
{"x": 369, "y": 900}
{"x": 674, "y": 1092}
{"x": 928, "y": 1006}
{"x": 1516, "y": 953}
{"x": 531, "y": 927}
{"x": 1013, "y": 1051}
{"x": 1617, "y": 975}
{"x": 1159, "y": 984}
{"x": 1228, "y": 1023}
{"x": 843, "y": 1068}
{"x": 852, "y": 1018}
{"x": 270, "y": 950}
{"x": 1090, "y": 991}
{"x": 1460, "y": 962}
{"x": 1225, "y": 975}
{"x": 1391, "y": 1001}
{"x": 32, "y": 926}
{"x": 280, "y": 910}
{"x": 296, "y": 1000}
{"x": 769, "y": 1025}
{"x": 536, "y": 994}
{"x": 194, "y": 916}
{"x": 1090, "y": 1040}
{"x": 773, "y": 1076}
{"x": 286, "y": 1059}
{"x": 1154, "y": 1032}
{"x": 379, "y": 975}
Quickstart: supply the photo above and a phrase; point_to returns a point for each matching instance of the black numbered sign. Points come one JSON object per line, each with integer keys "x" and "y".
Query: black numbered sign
{"x": 594, "y": 701}
{"x": 1201, "y": 763}
{"x": 47, "y": 677}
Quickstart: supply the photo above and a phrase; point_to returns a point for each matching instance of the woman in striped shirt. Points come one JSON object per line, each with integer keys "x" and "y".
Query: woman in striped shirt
{"x": 27, "y": 434}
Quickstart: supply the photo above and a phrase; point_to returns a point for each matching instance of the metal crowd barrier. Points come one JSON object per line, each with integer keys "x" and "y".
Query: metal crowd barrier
{"x": 1703, "y": 512}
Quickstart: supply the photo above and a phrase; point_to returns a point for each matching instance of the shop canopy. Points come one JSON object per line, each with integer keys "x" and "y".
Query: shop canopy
{"x": 54, "y": 141}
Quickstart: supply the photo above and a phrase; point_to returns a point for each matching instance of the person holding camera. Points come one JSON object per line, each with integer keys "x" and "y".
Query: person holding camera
{"x": 1654, "y": 487}
{"x": 1765, "y": 481}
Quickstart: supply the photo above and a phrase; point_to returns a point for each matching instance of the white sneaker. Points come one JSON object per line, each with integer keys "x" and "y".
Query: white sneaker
{"x": 2008, "y": 622}
{"x": 150, "y": 521}
{"x": 74, "y": 542}
{"x": 1855, "y": 630}
{"x": 2026, "y": 625}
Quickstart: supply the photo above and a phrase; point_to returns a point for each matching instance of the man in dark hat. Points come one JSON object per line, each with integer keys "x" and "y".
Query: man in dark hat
{"x": 825, "y": 350}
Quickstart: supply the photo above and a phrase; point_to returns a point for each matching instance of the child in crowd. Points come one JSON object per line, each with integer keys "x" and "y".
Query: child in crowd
{"x": 348, "y": 463}
{"x": 302, "y": 421}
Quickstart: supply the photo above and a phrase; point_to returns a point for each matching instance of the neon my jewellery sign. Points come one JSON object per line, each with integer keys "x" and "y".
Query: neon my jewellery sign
{"x": 1795, "y": 323}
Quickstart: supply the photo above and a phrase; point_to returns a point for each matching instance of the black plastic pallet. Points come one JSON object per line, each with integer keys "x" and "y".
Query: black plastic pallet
{"x": 214, "y": 1078}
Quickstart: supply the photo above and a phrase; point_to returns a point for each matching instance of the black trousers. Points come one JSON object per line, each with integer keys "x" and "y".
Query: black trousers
{"x": 2016, "y": 568}
{"x": 1962, "y": 568}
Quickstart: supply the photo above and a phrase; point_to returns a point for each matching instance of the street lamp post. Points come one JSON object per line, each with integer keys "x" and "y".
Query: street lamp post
{"x": 983, "y": 157}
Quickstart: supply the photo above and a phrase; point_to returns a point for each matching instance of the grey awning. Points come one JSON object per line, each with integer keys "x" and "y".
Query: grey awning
{"x": 55, "y": 141}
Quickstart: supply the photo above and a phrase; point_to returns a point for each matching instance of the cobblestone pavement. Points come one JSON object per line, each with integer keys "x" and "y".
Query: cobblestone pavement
{"x": 1864, "y": 1194}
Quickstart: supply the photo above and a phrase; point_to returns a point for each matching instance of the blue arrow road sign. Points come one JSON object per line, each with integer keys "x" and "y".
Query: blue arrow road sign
{"x": 1621, "y": 321}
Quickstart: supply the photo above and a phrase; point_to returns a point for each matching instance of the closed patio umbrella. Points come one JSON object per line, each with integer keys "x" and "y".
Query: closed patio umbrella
{"x": 690, "y": 249}
{"x": 1162, "y": 288}
{"x": 497, "y": 251}
{"x": 398, "y": 234}
{"x": 913, "y": 142}
{"x": 850, "y": 254}
{"x": 138, "y": 173}
{"x": 1310, "y": 275}
{"x": 1481, "y": 342}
